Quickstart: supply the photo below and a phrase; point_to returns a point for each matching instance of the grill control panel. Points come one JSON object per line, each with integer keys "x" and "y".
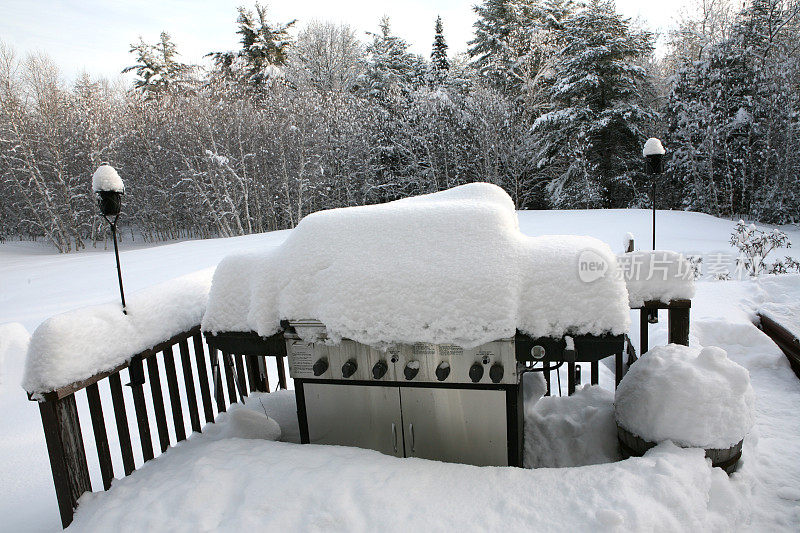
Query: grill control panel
{"x": 311, "y": 356}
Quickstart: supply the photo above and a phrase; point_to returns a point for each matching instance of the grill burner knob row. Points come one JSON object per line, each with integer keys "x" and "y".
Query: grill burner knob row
{"x": 442, "y": 371}
{"x": 476, "y": 372}
{"x": 411, "y": 370}
{"x": 349, "y": 368}
{"x": 496, "y": 373}
{"x": 320, "y": 367}
{"x": 379, "y": 369}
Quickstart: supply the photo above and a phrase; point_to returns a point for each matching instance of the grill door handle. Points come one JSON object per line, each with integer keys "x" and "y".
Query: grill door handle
{"x": 411, "y": 430}
{"x": 394, "y": 437}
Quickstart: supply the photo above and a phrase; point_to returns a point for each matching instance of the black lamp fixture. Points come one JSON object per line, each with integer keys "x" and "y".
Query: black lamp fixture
{"x": 109, "y": 188}
{"x": 653, "y": 153}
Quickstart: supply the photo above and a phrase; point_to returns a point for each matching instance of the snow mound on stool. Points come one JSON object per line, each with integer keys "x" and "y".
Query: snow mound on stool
{"x": 695, "y": 398}
{"x": 658, "y": 275}
{"x": 449, "y": 267}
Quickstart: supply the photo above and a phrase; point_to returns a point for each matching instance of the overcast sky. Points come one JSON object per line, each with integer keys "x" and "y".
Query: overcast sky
{"x": 95, "y": 35}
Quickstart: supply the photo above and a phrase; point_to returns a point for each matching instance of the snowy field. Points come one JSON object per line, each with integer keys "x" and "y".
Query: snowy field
{"x": 667, "y": 490}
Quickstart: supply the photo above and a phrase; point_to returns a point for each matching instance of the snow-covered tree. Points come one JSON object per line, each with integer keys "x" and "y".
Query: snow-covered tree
{"x": 391, "y": 68}
{"x": 157, "y": 68}
{"x": 264, "y": 49}
{"x": 589, "y": 143}
{"x": 328, "y": 56}
{"x": 439, "y": 61}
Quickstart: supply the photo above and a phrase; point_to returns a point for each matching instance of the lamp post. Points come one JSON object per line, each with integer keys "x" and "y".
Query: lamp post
{"x": 109, "y": 188}
{"x": 653, "y": 153}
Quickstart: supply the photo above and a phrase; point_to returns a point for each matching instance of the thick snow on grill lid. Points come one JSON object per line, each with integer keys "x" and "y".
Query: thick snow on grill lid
{"x": 449, "y": 267}
{"x": 658, "y": 275}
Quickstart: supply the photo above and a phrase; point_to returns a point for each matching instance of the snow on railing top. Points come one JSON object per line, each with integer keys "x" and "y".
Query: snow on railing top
{"x": 79, "y": 344}
{"x": 658, "y": 275}
{"x": 450, "y": 267}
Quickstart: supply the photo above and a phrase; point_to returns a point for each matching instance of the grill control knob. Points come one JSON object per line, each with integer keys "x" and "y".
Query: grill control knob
{"x": 379, "y": 369}
{"x": 496, "y": 373}
{"x": 411, "y": 370}
{"x": 442, "y": 371}
{"x": 476, "y": 372}
{"x": 320, "y": 367}
{"x": 349, "y": 368}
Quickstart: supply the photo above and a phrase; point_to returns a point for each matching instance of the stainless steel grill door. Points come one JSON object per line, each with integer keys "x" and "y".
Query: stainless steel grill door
{"x": 355, "y": 415}
{"x": 455, "y": 425}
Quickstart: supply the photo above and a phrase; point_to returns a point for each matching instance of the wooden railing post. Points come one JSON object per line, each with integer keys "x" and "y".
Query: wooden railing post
{"x": 678, "y": 325}
{"x": 62, "y": 432}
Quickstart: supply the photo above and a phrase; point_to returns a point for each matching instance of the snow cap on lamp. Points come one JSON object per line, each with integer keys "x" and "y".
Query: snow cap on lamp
{"x": 653, "y": 147}
{"x": 109, "y": 187}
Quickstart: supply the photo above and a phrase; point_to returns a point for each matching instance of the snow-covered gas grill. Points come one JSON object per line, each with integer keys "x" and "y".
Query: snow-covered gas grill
{"x": 434, "y": 401}
{"x": 409, "y": 325}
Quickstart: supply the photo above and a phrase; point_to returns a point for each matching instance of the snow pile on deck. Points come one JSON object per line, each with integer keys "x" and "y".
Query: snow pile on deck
{"x": 79, "y": 344}
{"x": 105, "y": 178}
{"x": 693, "y": 397}
{"x": 251, "y": 485}
{"x": 450, "y": 267}
{"x": 575, "y": 430}
{"x": 659, "y": 275}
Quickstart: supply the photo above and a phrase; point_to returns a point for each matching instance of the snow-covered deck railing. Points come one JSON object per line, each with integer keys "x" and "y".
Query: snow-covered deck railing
{"x": 97, "y": 349}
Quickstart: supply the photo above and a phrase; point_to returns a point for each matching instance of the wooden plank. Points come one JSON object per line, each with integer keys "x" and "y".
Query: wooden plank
{"x": 678, "y": 325}
{"x": 158, "y": 402}
{"x": 595, "y": 372}
{"x": 784, "y": 338}
{"x": 82, "y": 384}
{"x": 142, "y": 421}
{"x": 281, "y": 372}
{"x": 569, "y": 357}
{"x": 62, "y": 432}
{"x": 100, "y": 435}
{"x": 174, "y": 394}
{"x": 619, "y": 370}
{"x": 644, "y": 331}
{"x": 188, "y": 381}
{"x": 254, "y": 379}
{"x": 262, "y": 369}
{"x": 240, "y": 374}
{"x": 227, "y": 362}
{"x": 216, "y": 376}
{"x": 202, "y": 377}
{"x": 121, "y": 418}
{"x": 672, "y": 304}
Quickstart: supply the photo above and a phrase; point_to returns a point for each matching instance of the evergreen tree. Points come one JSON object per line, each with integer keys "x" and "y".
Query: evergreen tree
{"x": 589, "y": 143}
{"x": 264, "y": 48}
{"x": 511, "y": 39}
{"x": 157, "y": 67}
{"x": 391, "y": 69}
{"x": 439, "y": 60}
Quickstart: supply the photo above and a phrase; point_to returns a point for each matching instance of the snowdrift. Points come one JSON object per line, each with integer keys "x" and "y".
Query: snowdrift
{"x": 449, "y": 267}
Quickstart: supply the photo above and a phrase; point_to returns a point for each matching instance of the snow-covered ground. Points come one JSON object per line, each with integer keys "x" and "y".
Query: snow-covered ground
{"x": 669, "y": 489}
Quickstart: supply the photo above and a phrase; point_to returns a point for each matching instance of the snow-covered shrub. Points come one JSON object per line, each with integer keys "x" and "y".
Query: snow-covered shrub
{"x": 693, "y": 397}
{"x": 755, "y": 245}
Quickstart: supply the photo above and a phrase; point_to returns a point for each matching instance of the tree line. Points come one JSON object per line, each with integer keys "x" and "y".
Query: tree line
{"x": 552, "y": 102}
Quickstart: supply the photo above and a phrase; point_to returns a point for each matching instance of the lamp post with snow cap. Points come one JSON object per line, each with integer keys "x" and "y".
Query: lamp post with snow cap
{"x": 653, "y": 153}
{"x": 109, "y": 188}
